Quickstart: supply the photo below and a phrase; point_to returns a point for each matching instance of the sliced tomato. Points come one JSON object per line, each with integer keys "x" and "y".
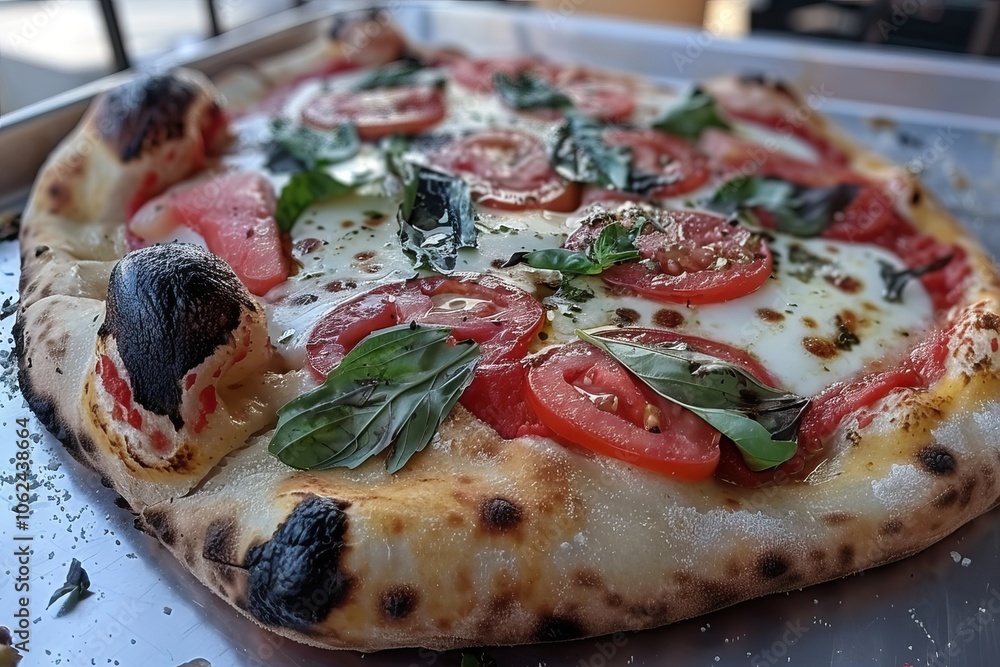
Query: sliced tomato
{"x": 698, "y": 258}
{"x": 602, "y": 99}
{"x": 733, "y": 156}
{"x": 380, "y": 112}
{"x": 508, "y": 169}
{"x": 586, "y": 398}
{"x": 657, "y": 155}
{"x": 775, "y": 107}
{"x": 234, "y": 213}
{"x": 502, "y": 319}
{"x": 477, "y": 74}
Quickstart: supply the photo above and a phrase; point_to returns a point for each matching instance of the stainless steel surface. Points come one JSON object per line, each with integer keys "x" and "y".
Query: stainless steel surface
{"x": 937, "y": 608}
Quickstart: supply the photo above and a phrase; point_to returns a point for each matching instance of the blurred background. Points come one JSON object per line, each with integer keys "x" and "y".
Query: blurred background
{"x": 49, "y": 46}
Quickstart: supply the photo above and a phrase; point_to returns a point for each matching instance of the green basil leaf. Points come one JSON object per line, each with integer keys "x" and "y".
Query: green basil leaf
{"x": 527, "y": 91}
{"x": 400, "y": 73}
{"x": 762, "y": 421}
{"x": 393, "y": 389}
{"x": 896, "y": 279}
{"x": 302, "y": 191}
{"x": 797, "y": 209}
{"x": 614, "y": 244}
{"x": 690, "y": 118}
{"x": 441, "y": 220}
{"x": 579, "y": 153}
{"x": 298, "y": 148}
{"x": 571, "y": 262}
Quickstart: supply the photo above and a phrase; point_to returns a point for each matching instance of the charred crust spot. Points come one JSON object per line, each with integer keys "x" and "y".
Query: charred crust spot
{"x": 499, "y": 514}
{"x": 845, "y": 555}
{"x": 989, "y": 321}
{"x": 220, "y": 543}
{"x": 613, "y": 600}
{"x": 817, "y": 556}
{"x": 303, "y": 299}
{"x": 145, "y": 113}
{"x": 891, "y": 527}
{"x": 159, "y": 525}
{"x": 837, "y": 518}
{"x": 168, "y": 308}
{"x": 294, "y": 579}
{"x": 968, "y": 486}
{"x": 398, "y": 602}
{"x": 772, "y": 565}
{"x": 947, "y": 498}
{"x": 937, "y": 460}
{"x": 554, "y": 628}
{"x": 41, "y": 250}
{"x": 626, "y": 316}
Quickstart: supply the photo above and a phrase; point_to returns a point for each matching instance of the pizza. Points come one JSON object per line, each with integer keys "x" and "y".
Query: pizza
{"x": 394, "y": 346}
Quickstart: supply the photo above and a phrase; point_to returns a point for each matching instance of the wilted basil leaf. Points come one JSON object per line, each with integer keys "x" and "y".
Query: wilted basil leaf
{"x": 297, "y": 148}
{"x": 762, "y": 421}
{"x": 797, "y": 209}
{"x": 690, "y": 118}
{"x": 441, "y": 220}
{"x": 400, "y": 73}
{"x": 579, "y": 153}
{"x": 896, "y": 279}
{"x": 395, "y": 388}
{"x": 76, "y": 587}
{"x": 528, "y": 91}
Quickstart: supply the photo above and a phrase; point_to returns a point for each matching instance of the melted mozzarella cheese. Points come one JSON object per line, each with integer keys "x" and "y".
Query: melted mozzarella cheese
{"x": 820, "y": 319}
{"x": 791, "y": 323}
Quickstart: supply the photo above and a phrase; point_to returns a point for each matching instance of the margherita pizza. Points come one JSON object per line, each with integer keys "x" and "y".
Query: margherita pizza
{"x": 400, "y": 347}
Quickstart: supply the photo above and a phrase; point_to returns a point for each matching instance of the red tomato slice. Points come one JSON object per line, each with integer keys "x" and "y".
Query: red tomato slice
{"x": 502, "y": 319}
{"x": 733, "y": 156}
{"x": 234, "y": 213}
{"x": 509, "y": 170}
{"x": 477, "y": 74}
{"x": 700, "y": 258}
{"x": 659, "y": 154}
{"x": 603, "y": 100}
{"x": 775, "y": 107}
{"x": 585, "y": 397}
{"x": 380, "y": 112}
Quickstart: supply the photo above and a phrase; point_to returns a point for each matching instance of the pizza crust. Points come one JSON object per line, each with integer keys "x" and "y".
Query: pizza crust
{"x": 481, "y": 540}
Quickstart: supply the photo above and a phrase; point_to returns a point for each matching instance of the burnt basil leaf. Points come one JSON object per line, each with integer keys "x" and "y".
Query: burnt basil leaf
{"x": 579, "y": 153}
{"x": 305, "y": 189}
{"x": 393, "y": 389}
{"x": 76, "y": 586}
{"x": 300, "y": 148}
{"x": 527, "y": 91}
{"x": 690, "y": 118}
{"x": 896, "y": 279}
{"x": 441, "y": 220}
{"x": 762, "y": 421}
{"x": 614, "y": 244}
{"x": 797, "y": 209}
{"x": 401, "y": 73}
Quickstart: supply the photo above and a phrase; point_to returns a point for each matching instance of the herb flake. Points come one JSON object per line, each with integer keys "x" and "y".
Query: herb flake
{"x": 692, "y": 116}
{"x": 302, "y": 191}
{"x": 77, "y": 587}
{"x": 525, "y": 90}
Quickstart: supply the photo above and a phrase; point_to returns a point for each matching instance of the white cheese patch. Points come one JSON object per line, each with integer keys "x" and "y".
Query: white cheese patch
{"x": 783, "y": 142}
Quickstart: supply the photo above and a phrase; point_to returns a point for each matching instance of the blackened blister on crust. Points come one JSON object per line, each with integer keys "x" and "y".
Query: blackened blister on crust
{"x": 294, "y": 578}
{"x": 169, "y": 307}
{"x": 145, "y": 113}
{"x": 937, "y": 460}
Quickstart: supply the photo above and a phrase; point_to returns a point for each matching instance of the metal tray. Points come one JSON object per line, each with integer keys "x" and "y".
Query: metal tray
{"x": 937, "y": 608}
